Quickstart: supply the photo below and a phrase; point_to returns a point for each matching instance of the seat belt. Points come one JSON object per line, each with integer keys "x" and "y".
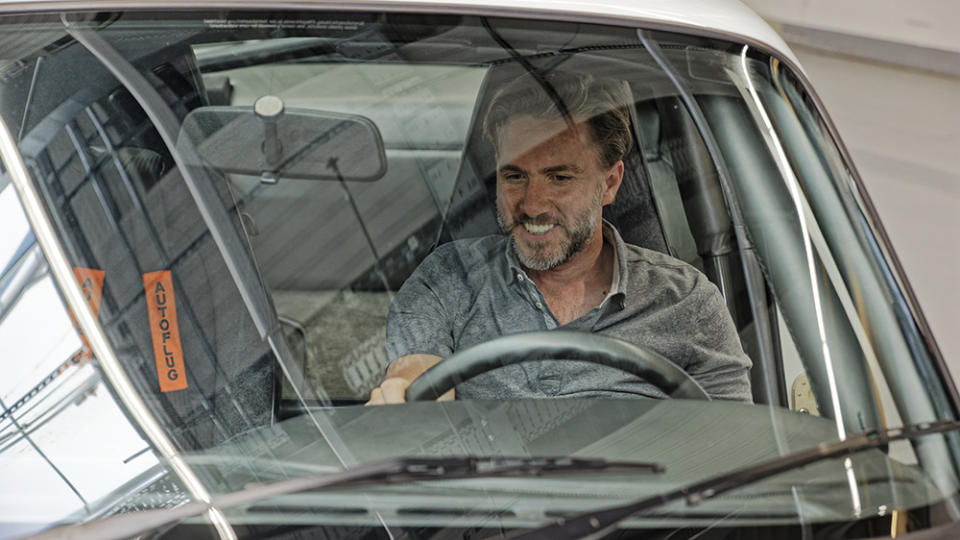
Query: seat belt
{"x": 665, "y": 192}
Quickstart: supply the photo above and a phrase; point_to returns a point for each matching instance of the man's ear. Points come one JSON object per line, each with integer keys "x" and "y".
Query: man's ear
{"x": 612, "y": 182}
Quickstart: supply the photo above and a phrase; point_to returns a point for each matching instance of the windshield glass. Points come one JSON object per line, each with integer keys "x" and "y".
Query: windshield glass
{"x": 590, "y": 241}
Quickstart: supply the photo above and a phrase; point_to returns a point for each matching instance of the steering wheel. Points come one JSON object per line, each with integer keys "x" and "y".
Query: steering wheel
{"x": 514, "y": 349}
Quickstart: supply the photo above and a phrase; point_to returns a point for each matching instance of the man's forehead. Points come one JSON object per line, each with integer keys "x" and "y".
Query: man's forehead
{"x": 534, "y": 130}
{"x": 528, "y": 136}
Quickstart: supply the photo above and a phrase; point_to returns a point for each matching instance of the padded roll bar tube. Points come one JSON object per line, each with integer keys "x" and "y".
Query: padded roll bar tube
{"x": 769, "y": 211}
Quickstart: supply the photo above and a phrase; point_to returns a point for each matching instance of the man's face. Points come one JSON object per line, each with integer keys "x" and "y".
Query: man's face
{"x": 551, "y": 188}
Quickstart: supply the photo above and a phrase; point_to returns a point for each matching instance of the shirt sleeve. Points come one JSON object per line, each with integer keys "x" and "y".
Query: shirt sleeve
{"x": 716, "y": 359}
{"x": 417, "y": 322}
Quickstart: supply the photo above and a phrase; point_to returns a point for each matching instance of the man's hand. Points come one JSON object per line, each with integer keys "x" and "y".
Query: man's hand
{"x": 400, "y": 374}
{"x": 391, "y": 390}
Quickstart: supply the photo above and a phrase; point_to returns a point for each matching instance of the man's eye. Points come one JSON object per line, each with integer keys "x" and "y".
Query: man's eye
{"x": 561, "y": 178}
{"x": 513, "y": 177}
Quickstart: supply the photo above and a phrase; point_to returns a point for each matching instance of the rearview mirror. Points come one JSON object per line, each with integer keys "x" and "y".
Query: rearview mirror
{"x": 271, "y": 142}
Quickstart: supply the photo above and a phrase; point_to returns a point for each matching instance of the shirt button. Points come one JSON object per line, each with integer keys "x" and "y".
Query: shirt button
{"x": 539, "y": 305}
{"x": 520, "y": 277}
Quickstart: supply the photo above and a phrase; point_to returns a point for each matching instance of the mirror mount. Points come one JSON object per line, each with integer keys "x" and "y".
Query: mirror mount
{"x": 269, "y": 109}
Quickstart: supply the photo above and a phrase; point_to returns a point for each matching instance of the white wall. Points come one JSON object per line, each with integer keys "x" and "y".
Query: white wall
{"x": 928, "y": 23}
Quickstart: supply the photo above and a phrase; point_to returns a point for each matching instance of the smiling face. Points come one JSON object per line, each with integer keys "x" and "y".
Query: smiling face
{"x": 551, "y": 188}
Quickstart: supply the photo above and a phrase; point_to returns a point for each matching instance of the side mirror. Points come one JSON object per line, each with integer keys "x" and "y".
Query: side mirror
{"x": 270, "y": 142}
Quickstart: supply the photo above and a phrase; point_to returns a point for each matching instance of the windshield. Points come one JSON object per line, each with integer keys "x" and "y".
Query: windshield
{"x": 297, "y": 231}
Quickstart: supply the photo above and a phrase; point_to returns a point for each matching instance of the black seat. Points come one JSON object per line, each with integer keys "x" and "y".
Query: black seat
{"x": 664, "y": 189}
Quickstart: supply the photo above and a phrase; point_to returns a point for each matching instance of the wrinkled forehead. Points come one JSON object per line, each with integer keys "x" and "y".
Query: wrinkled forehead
{"x": 526, "y": 136}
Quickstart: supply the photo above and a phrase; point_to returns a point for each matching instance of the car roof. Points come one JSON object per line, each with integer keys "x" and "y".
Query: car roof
{"x": 724, "y": 17}
{"x": 719, "y": 18}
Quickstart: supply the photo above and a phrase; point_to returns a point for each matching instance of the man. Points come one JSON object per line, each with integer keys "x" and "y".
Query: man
{"x": 559, "y": 265}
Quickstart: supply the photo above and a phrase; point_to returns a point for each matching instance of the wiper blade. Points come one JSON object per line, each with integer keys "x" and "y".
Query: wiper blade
{"x": 495, "y": 466}
{"x": 595, "y": 524}
{"x": 392, "y": 471}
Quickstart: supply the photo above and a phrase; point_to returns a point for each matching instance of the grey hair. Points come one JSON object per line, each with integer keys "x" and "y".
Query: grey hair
{"x": 603, "y": 102}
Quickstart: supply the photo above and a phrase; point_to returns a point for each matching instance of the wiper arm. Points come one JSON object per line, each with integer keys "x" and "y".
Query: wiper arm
{"x": 415, "y": 469}
{"x": 392, "y": 471}
{"x": 601, "y": 522}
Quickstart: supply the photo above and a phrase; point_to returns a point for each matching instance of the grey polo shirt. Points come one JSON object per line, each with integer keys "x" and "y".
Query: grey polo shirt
{"x": 471, "y": 291}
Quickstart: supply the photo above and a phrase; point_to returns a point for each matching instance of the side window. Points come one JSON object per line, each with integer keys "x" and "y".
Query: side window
{"x": 51, "y": 385}
{"x": 168, "y": 302}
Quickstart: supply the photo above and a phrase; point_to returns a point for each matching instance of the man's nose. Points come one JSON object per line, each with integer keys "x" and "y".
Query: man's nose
{"x": 536, "y": 199}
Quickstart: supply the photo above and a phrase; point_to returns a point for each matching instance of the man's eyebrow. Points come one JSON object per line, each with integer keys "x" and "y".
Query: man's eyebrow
{"x": 510, "y": 168}
{"x": 562, "y": 168}
{"x": 546, "y": 170}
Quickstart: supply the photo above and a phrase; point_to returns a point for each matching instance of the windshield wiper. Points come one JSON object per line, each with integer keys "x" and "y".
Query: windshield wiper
{"x": 392, "y": 471}
{"x": 596, "y": 524}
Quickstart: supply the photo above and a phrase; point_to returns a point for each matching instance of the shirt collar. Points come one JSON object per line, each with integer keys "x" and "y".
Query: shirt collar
{"x": 618, "y": 286}
{"x": 513, "y": 269}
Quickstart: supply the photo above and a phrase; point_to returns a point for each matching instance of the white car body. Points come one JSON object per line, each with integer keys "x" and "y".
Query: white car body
{"x": 819, "y": 299}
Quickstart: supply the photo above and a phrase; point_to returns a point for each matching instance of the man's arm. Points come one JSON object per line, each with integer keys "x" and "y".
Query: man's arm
{"x": 719, "y": 363}
{"x": 420, "y": 323}
{"x": 400, "y": 374}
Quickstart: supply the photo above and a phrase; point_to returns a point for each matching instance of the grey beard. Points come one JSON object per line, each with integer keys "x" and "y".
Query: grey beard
{"x": 581, "y": 232}
{"x": 578, "y": 239}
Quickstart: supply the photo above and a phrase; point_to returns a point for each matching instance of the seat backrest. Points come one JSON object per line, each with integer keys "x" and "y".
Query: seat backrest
{"x": 664, "y": 188}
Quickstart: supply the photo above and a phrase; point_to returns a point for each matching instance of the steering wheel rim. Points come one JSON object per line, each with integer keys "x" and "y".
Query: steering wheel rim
{"x": 649, "y": 365}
